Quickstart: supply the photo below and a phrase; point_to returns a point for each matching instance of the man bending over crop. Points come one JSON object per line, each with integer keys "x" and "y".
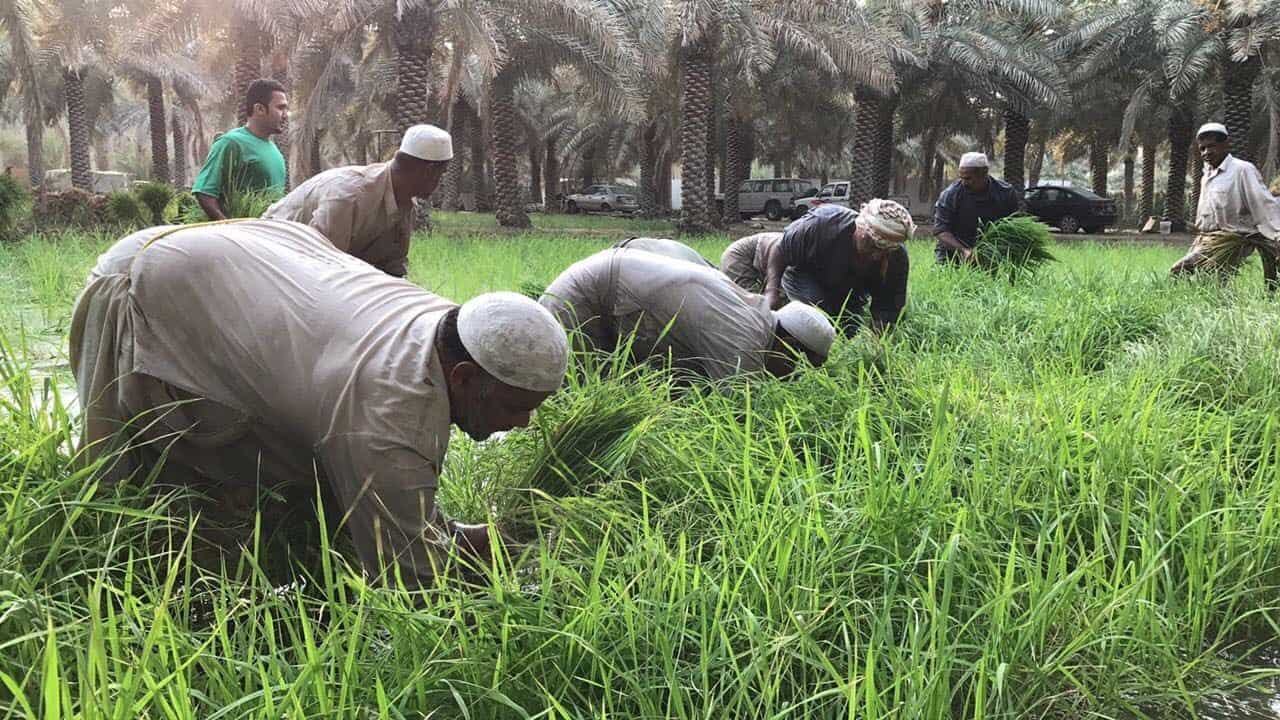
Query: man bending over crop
{"x": 255, "y": 356}
{"x": 367, "y": 210}
{"x": 1236, "y": 215}
{"x": 692, "y": 314}
{"x": 974, "y": 198}
{"x": 673, "y": 249}
{"x": 838, "y": 259}
{"x": 746, "y": 260}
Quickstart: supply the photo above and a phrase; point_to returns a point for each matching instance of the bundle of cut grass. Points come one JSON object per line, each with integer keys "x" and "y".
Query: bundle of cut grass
{"x": 1013, "y": 246}
{"x": 1226, "y": 251}
{"x": 532, "y": 289}
{"x": 235, "y": 205}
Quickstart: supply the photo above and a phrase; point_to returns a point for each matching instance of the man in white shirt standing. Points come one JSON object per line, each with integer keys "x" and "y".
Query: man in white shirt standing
{"x": 1236, "y": 215}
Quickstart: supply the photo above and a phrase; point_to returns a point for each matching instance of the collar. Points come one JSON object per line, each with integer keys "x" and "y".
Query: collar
{"x": 389, "y": 195}
{"x": 1223, "y": 166}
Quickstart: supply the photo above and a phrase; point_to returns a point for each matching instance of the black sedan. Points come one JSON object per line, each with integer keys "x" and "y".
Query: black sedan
{"x": 1070, "y": 209}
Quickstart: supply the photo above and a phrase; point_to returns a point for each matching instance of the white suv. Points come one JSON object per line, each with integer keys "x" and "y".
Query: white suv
{"x": 771, "y": 196}
{"x": 833, "y": 193}
{"x": 603, "y": 198}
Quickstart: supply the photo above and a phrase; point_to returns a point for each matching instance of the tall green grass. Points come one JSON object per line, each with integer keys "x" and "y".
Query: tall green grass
{"x": 1053, "y": 499}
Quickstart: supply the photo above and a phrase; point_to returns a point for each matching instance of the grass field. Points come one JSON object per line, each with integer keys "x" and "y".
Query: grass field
{"x": 1055, "y": 499}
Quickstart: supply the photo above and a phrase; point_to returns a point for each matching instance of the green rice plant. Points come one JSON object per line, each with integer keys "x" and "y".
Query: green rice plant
{"x": 125, "y": 209}
{"x": 234, "y": 205}
{"x": 1013, "y": 246}
{"x": 156, "y": 196}
{"x": 532, "y": 289}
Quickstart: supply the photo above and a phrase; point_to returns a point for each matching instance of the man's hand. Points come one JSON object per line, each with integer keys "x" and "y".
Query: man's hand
{"x": 211, "y": 207}
{"x": 967, "y": 253}
{"x": 773, "y": 297}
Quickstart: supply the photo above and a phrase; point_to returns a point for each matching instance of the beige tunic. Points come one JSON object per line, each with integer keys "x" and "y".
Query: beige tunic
{"x": 746, "y": 261}
{"x": 1234, "y": 198}
{"x": 299, "y": 359}
{"x": 666, "y": 247}
{"x": 355, "y": 207}
{"x": 692, "y": 314}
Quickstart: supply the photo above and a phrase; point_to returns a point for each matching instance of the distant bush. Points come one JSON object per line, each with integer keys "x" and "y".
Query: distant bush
{"x": 156, "y": 196}
{"x": 14, "y": 199}
{"x": 70, "y": 208}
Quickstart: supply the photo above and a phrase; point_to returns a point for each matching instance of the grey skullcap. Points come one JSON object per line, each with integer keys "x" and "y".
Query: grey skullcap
{"x": 1213, "y": 127}
{"x": 515, "y": 340}
{"x": 808, "y": 325}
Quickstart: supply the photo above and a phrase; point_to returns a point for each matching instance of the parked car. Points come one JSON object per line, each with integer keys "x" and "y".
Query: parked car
{"x": 832, "y": 193}
{"x": 1070, "y": 209}
{"x": 603, "y": 198}
{"x": 770, "y": 196}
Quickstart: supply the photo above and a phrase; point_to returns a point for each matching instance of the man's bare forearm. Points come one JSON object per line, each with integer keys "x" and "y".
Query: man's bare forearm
{"x": 211, "y": 206}
{"x": 773, "y": 276}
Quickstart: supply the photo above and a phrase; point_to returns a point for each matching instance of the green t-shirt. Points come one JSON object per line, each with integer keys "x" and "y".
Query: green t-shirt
{"x": 239, "y": 162}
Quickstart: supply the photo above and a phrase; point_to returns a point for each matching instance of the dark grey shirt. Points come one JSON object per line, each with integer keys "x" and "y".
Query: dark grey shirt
{"x": 818, "y": 251}
{"x": 959, "y": 211}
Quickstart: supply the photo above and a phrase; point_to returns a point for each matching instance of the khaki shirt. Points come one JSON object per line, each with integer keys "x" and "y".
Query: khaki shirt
{"x": 331, "y": 354}
{"x": 1233, "y": 197}
{"x": 691, "y": 313}
{"x": 355, "y": 207}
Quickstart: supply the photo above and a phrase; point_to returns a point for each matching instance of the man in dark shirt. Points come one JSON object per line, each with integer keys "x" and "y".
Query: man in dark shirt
{"x": 976, "y": 196}
{"x": 838, "y": 259}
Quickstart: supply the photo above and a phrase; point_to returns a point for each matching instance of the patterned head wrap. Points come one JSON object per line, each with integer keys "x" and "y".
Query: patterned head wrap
{"x": 888, "y": 223}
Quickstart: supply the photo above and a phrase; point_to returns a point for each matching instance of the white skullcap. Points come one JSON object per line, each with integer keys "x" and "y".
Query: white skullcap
{"x": 888, "y": 223}
{"x": 515, "y": 340}
{"x": 1213, "y": 128}
{"x": 974, "y": 160}
{"x": 427, "y": 142}
{"x": 807, "y": 324}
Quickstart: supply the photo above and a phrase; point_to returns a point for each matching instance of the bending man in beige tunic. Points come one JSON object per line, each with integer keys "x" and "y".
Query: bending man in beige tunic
{"x": 367, "y": 210}
{"x": 746, "y": 260}
{"x": 665, "y": 247}
{"x": 687, "y": 313}
{"x": 291, "y": 362}
{"x": 1236, "y": 215}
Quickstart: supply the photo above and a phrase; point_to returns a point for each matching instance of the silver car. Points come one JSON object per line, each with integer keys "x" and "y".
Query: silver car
{"x": 603, "y": 198}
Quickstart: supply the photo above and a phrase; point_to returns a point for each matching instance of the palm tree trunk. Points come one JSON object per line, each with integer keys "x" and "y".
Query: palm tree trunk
{"x": 666, "y": 161}
{"x": 648, "y": 169}
{"x": 884, "y": 146}
{"x": 483, "y": 198}
{"x": 315, "y": 164}
{"x": 510, "y": 209}
{"x": 535, "y": 171}
{"x": 77, "y": 130}
{"x": 712, "y": 219}
{"x": 551, "y": 172}
{"x": 1195, "y": 168}
{"x": 159, "y": 136}
{"x": 35, "y": 149}
{"x": 452, "y": 182}
{"x": 1238, "y": 79}
{"x": 1037, "y": 163}
{"x": 179, "y": 151}
{"x": 413, "y": 35}
{"x": 733, "y": 168}
{"x": 248, "y": 41}
{"x": 1017, "y": 130}
{"x": 1129, "y": 162}
{"x": 865, "y": 138}
{"x": 695, "y": 115}
{"x": 1146, "y": 201}
{"x": 280, "y": 73}
{"x": 1180, "y": 131}
{"x": 1098, "y": 162}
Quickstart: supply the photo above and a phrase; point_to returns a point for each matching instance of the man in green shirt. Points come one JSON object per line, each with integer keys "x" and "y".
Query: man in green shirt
{"x": 244, "y": 159}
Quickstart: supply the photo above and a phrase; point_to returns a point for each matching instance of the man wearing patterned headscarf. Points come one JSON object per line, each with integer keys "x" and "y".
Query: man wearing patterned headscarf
{"x": 838, "y": 259}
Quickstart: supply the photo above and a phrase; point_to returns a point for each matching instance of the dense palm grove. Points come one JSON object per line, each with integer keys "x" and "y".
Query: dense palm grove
{"x": 544, "y": 95}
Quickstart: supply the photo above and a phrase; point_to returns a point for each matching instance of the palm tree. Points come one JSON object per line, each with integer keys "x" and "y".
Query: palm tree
{"x": 18, "y": 20}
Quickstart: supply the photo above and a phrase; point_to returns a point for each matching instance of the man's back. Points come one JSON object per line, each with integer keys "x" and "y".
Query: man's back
{"x": 267, "y": 318}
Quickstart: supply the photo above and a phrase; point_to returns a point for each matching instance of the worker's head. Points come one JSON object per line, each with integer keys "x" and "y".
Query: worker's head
{"x": 267, "y": 106}
{"x": 974, "y": 169}
{"x": 882, "y": 227}
{"x": 423, "y": 157}
{"x": 1214, "y": 143}
{"x": 800, "y": 331}
{"x": 503, "y": 354}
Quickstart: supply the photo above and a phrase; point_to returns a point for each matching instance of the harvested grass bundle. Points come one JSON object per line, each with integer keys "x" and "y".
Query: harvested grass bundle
{"x": 1226, "y": 251}
{"x": 532, "y": 289}
{"x": 1013, "y": 246}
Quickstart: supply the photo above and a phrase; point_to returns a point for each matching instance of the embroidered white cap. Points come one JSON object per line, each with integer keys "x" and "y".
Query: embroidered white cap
{"x": 807, "y": 324}
{"x": 974, "y": 160}
{"x": 515, "y": 340}
{"x": 1213, "y": 128}
{"x": 427, "y": 142}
